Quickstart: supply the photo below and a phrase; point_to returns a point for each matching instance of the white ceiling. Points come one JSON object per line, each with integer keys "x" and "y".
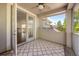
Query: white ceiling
{"x": 48, "y": 7}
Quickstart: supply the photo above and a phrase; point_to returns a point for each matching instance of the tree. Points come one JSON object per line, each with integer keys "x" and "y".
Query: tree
{"x": 76, "y": 24}
{"x": 77, "y": 15}
{"x": 59, "y": 26}
{"x": 64, "y": 25}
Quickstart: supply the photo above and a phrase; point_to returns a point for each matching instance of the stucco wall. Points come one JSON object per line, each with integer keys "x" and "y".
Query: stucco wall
{"x": 58, "y": 37}
{"x": 75, "y": 42}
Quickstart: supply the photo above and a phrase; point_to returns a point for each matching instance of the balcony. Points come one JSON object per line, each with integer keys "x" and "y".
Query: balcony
{"x": 24, "y": 31}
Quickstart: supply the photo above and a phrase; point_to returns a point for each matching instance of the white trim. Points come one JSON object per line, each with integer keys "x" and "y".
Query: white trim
{"x": 58, "y": 13}
{"x": 14, "y": 28}
{"x": 25, "y": 10}
{"x": 8, "y": 27}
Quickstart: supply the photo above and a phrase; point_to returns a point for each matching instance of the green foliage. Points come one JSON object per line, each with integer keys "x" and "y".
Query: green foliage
{"x": 76, "y": 24}
{"x": 77, "y": 15}
{"x": 59, "y": 26}
{"x": 64, "y": 25}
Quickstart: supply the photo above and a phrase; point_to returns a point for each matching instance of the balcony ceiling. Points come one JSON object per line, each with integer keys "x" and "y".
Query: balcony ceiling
{"x": 48, "y": 7}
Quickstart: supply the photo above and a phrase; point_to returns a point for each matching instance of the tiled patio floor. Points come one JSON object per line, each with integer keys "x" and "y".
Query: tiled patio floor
{"x": 9, "y": 53}
{"x": 40, "y": 48}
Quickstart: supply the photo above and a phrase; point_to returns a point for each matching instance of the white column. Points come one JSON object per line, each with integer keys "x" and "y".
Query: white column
{"x": 8, "y": 26}
{"x": 68, "y": 28}
{"x": 14, "y": 28}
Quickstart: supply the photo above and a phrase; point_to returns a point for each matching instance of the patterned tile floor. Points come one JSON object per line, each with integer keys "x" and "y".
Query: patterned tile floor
{"x": 9, "y": 53}
{"x": 40, "y": 48}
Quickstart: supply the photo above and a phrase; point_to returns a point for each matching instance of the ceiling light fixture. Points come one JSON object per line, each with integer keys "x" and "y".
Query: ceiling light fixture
{"x": 41, "y": 6}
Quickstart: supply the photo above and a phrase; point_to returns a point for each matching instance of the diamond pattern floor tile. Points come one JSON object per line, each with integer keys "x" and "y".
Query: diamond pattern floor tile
{"x": 41, "y": 48}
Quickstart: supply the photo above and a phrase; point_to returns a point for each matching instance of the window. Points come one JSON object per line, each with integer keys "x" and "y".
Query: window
{"x": 55, "y": 22}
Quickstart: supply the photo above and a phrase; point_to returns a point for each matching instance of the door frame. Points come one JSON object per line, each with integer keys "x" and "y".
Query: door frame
{"x": 28, "y": 27}
{"x": 27, "y": 14}
{"x": 14, "y": 28}
{"x": 15, "y": 6}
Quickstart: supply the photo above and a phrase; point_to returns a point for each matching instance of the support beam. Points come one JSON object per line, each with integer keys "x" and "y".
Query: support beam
{"x": 69, "y": 20}
{"x": 70, "y": 6}
{"x": 68, "y": 28}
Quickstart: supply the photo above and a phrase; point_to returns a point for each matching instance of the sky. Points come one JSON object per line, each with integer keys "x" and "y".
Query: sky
{"x": 56, "y": 18}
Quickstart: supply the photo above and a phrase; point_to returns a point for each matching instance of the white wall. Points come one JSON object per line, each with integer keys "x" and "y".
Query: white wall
{"x": 2, "y": 27}
{"x": 75, "y": 42}
{"x": 58, "y": 37}
{"x": 5, "y": 41}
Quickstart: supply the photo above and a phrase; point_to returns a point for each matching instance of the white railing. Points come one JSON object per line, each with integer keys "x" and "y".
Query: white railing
{"x": 51, "y": 35}
{"x": 76, "y": 43}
